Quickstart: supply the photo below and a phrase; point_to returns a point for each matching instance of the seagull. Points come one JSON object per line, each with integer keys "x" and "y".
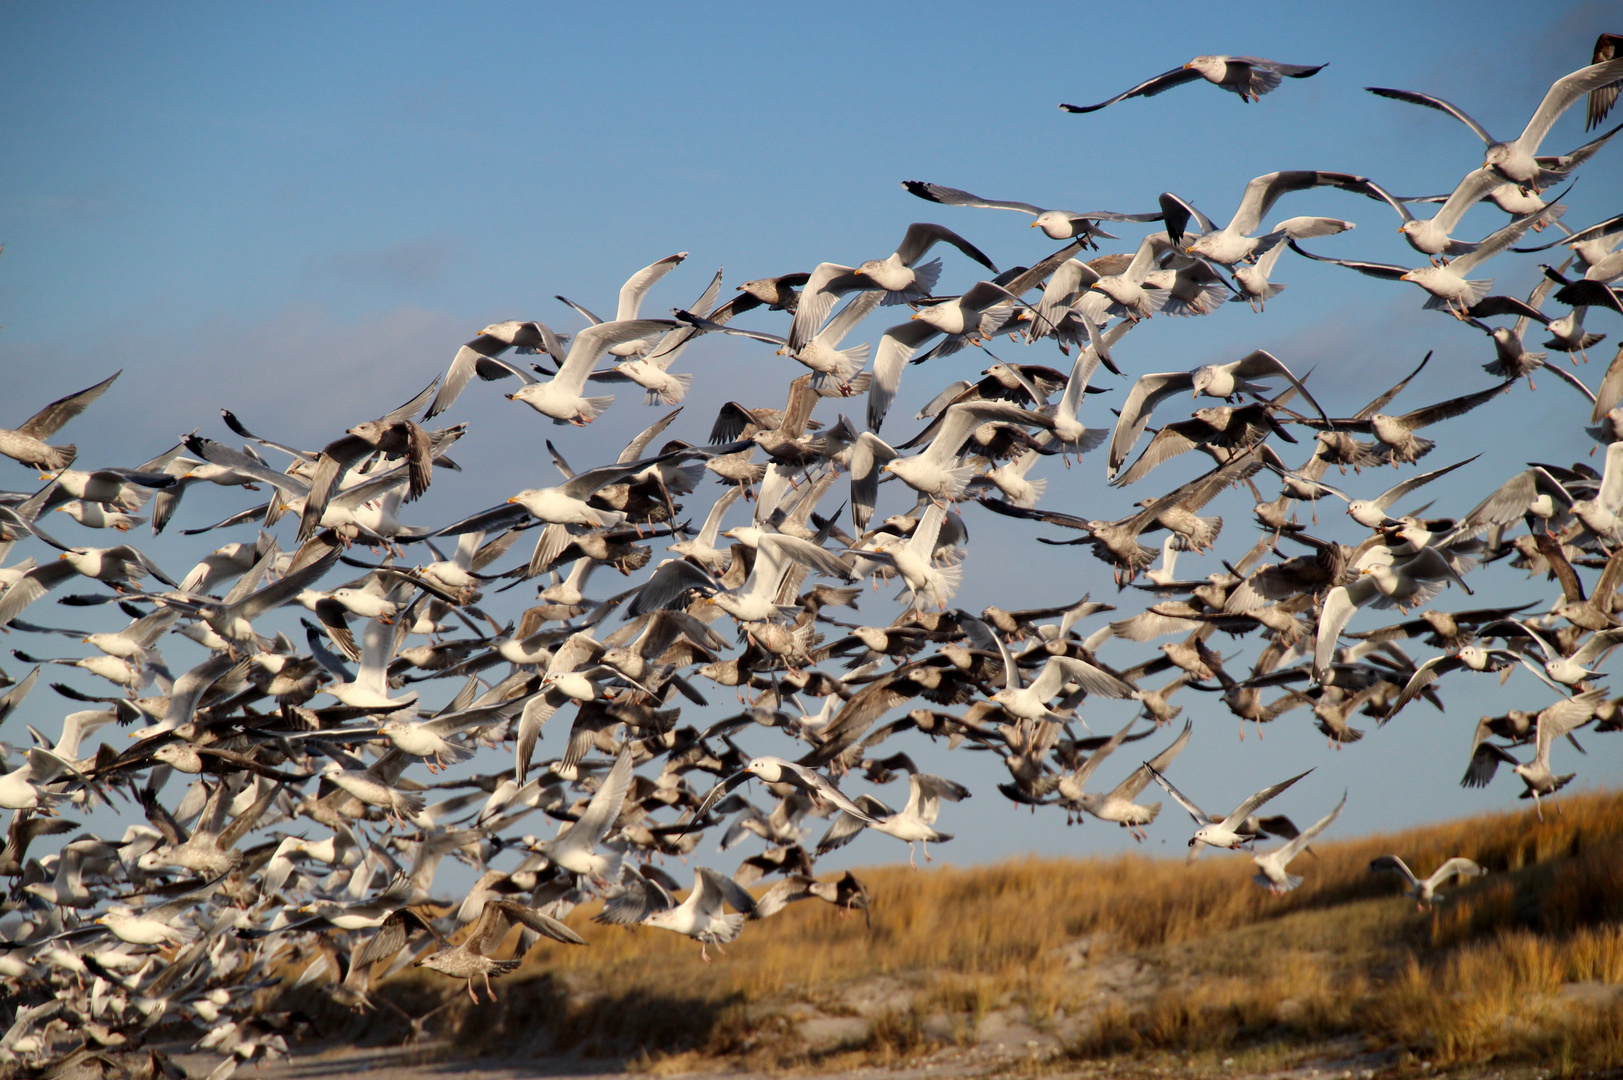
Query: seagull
{"x": 1213, "y": 380}
{"x": 1601, "y": 99}
{"x": 936, "y": 471}
{"x": 1370, "y": 513}
{"x": 471, "y": 959}
{"x": 1118, "y": 805}
{"x": 1424, "y": 892}
{"x": 1467, "y": 657}
{"x": 1055, "y": 224}
{"x": 630, "y": 304}
{"x": 822, "y": 353}
{"x": 651, "y": 371}
{"x": 1248, "y": 76}
{"x": 913, "y": 822}
{"x": 1515, "y": 160}
{"x": 914, "y": 559}
{"x": 1240, "y": 827}
{"x": 1233, "y": 242}
{"x": 776, "y": 770}
{"x": 1031, "y": 702}
{"x": 1271, "y": 864}
{"x": 559, "y": 398}
{"x": 478, "y": 357}
{"x": 900, "y": 276}
{"x": 1450, "y": 290}
{"x": 1405, "y": 581}
{"x": 700, "y": 916}
{"x": 1560, "y": 719}
{"x": 1574, "y": 669}
{"x": 1252, "y": 278}
{"x": 26, "y": 444}
{"x": 575, "y": 848}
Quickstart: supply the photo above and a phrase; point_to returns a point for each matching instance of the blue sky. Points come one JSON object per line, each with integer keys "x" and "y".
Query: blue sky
{"x": 299, "y": 211}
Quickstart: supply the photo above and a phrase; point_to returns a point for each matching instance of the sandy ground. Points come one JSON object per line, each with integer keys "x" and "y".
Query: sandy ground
{"x": 425, "y": 1063}
{"x": 430, "y": 1061}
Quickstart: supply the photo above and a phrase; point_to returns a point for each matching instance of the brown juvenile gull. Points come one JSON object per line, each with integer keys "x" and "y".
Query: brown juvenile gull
{"x": 471, "y": 959}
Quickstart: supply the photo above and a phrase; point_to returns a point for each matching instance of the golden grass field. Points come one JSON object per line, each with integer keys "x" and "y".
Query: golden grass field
{"x": 1131, "y": 959}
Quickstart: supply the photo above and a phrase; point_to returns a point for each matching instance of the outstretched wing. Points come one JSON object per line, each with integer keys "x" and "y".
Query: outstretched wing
{"x": 1148, "y": 88}
{"x": 49, "y": 420}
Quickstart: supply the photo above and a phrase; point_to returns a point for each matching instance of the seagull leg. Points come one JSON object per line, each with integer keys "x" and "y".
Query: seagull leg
{"x": 703, "y": 953}
{"x": 471, "y": 994}
{"x": 491, "y": 990}
{"x": 910, "y": 861}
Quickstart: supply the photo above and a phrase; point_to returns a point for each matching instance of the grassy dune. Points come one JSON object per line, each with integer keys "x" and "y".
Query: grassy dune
{"x": 1130, "y": 959}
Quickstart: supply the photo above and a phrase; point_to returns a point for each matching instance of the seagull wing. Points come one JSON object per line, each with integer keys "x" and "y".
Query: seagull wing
{"x": 816, "y": 782}
{"x": 921, "y": 236}
{"x": 1447, "y": 410}
{"x": 846, "y": 320}
{"x": 827, "y": 283}
{"x": 1414, "y": 98}
{"x": 718, "y": 889}
{"x": 1200, "y": 816}
{"x": 545, "y": 925}
{"x": 1249, "y": 807}
{"x": 1088, "y": 767}
{"x": 1395, "y": 865}
{"x": 1414, "y": 483}
{"x": 49, "y": 420}
{"x": 896, "y": 348}
{"x": 1472, "y": 189}
{"x": 594, "y": 341}
{"x": 1146, "y": 393}
{"x": 1601, "y": 100}
{"x": 960, "y": 420}
{"x": 847, "y": 828}
{"x": 1458, "y": 866}
{"x": 1294, "y": 847}
{"x": 1136, "y": 780}
{"x": 1424, "y": 676}
{"x": 1148, "y": 88}
{"x": 1389, "y": 271}
{"x": 869, "y": 455}
{"x": 1093, "y": 679}
{"x": 638, "y": 284}
{"x": 1262, "y": 192}
{"x": 925, "y": 793}
{"x": 1263, "y": 364}
{"x": 1177, "y": 212}
{"x": 947, "y": 196}
{"x": 601, "y": 812}
{"x": 1339, "y": 605}
{"x": 1563, "y": 94}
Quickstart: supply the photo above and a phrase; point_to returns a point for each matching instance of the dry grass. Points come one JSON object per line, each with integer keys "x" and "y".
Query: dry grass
{"x": 1189, "y": 959}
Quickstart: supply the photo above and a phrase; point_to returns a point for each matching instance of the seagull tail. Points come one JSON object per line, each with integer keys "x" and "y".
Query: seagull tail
{"x": 592, "y": 407}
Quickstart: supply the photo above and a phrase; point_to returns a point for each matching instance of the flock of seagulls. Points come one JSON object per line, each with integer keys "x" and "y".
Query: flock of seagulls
{"x": 288, "y": 797}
